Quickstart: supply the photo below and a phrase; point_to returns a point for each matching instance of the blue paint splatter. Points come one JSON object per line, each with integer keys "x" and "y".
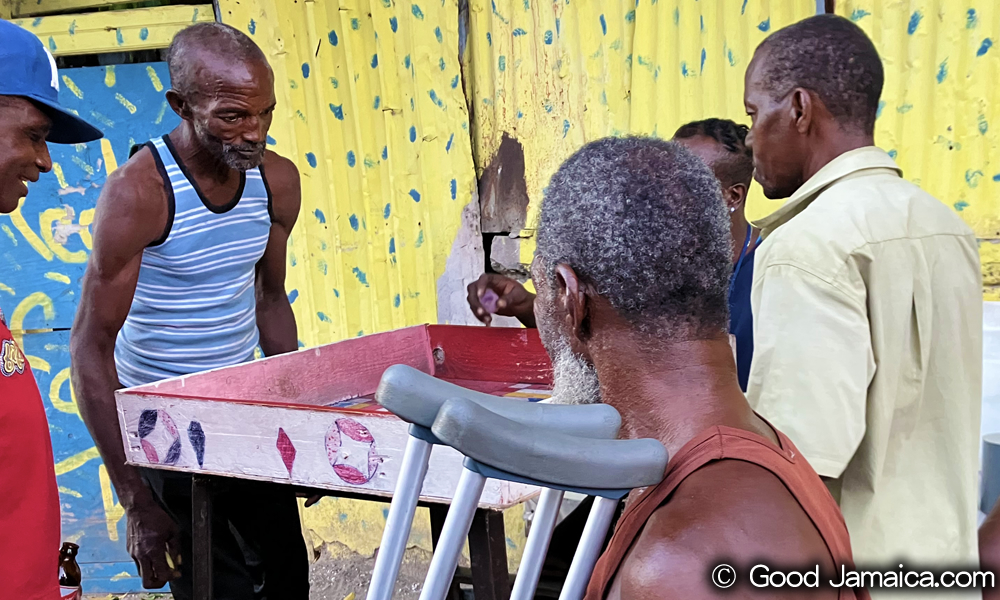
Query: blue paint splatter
{"x": 684, "y": 69}
{"x": 334, "y": 82}
{"x": 351, "y": 160}
{"x": 406, "y": 61}
{"x": 743, "y": 9}
{"x": 322, "y": 266}
{"x": 271, "y": 141}
{"x": 353, "y": 219}
{"x": 704, "y": 56}
{"x": 985, "y": 47}
{"x": 311, "y": 159}
{"x": 336, "y": 292}
{"x": 338, "y": 111}
{"x": 420, "y": 239}
{"x": 393, "y": 24}
{"x": 326, "y": 319}
{"x": 305, "y": 70}
{"x": 319, "y": 215}
{"x": 118, "y": 38}
{"x": 72, "y": 28}
{"x": 904, "y": 108}
{"x": 252, "y": 27}
{"x": 858, "y": 14}
{"x": 374, "y": 60}
{"x": 332, "y": 37}
{"x": 565, "y": 127}
{"x": 413, "y": 133}
{"x": 604, "y": 25}
{"x": 971, "y": 20}
{"x": 942, "y": 71}
{"x": 36, "y": 22}
{"x": 369, "y": 163}
{"x": 454, "y": 189}
{"x": 143, "y": 33}
{"x": 441, "y": 63}
{"x": 972, "y": 178}
{"x": 915, "y": 19}
{"x": 377, "y": 102}
{"x": 630, "y": 16}
{"x": 730, "y": 57}
{"x": 396, "y": 301}
{"x": 984, "y": 126}
{"x": 434, "y": 98}
{"x": 892, "y": 154}
{"x": 489, "y": 39}
{"x": 292, "y": 296}
{"x": 677, "y": 16}
{"x": 454, "y": 82}
{"x": 385, "y": 152}
{"x": 392, "y": 245}
{"x": 387, "y": 210}
{"x": 519, "y": 32}
{"x": 360, "y": 275}
{"x": 502, "y": 63}
{"x": 411, "y": 105}
{"x": 996, "y": 177}
{"x": 438, "y": 36}
{"x": 447, "y": 147}
{"x": 355, "y": 24}
{"x": 960, "y": 205}
{"x": 548, "y": 37}
{"x": 415, "y": 195}
{"x": 417, "y": 12}
{"x": 558, "y": 25}
{"x": 878, "y": 111}
{"x": 702, "y": 22}
{"x": 765, "y": 25}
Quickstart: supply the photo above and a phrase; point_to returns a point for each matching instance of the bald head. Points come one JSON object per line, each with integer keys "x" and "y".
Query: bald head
{"x": 200, "y": 50}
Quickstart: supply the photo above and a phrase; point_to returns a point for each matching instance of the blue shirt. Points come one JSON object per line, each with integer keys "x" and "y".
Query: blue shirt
{"x": 740, "y": 317}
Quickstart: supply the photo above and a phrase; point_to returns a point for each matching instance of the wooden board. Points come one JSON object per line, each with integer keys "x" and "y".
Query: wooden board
{"x": 308, "y": 418}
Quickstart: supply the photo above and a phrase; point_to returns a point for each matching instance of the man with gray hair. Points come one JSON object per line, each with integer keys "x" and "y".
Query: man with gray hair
{"x": 188, "y": 274}
{"x": 632, "y": 270}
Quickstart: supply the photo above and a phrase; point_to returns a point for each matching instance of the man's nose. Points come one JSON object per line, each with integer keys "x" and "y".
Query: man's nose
{"x": 255, "y": 131}
{"x": 42, "y": 160}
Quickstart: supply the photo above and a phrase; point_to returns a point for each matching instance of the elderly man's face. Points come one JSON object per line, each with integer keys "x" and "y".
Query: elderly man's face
{"x": 23, "y": 151}
{"x": 779, "y": 152}
{"x": 232, "y": 110}
{"x": 574, "y": 379}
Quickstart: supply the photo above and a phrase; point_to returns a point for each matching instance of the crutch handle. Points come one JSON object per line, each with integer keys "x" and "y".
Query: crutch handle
{"x": 544, "y": 455}
{"x": 416, "y": 397}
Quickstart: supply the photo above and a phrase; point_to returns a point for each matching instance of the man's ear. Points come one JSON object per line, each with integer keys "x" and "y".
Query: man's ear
{"x": 572, "y": 301}
{"x": 179, "y": 104}
{"x": 802, "y": 108}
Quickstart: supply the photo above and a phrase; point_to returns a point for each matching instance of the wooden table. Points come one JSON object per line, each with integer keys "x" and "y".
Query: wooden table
{"x": 308, "y": 419}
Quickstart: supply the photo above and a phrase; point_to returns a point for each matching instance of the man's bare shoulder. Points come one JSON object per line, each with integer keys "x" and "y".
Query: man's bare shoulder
{"x": 283, "y": 180}
{"x": 135, "y": 195}
{"x": 730, "y": 512}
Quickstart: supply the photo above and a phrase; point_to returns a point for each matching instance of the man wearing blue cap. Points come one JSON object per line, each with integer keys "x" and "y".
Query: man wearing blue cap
{"x": 30, "y": 115}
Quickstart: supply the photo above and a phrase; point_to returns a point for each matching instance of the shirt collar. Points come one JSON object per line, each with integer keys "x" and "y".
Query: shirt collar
{"x": 848, "y": 163}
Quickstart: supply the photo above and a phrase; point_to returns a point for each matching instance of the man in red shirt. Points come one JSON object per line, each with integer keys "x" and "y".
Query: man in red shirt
{"x": 30, "y": 115}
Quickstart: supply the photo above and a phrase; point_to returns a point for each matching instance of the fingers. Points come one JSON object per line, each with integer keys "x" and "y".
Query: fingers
{"x": 151, "y": 578}
{"x": 476, "y": 290}
{"x": 173, "y": 555}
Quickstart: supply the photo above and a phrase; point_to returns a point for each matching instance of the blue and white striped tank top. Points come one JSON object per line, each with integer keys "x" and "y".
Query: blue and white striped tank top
{"x": 194, "y": 306}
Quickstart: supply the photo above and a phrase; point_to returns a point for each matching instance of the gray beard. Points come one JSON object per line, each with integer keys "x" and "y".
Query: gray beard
{"x": 229, "y": 153}
{"x": 574, "y": 381}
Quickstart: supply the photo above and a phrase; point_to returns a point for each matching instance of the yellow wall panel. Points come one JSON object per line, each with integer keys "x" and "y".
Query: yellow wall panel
{"x": 371, "y": 109}
{"x": 939, "y": 114}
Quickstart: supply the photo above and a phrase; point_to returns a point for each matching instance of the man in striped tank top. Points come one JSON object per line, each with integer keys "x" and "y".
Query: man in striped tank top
{"x": 188, "y": 274}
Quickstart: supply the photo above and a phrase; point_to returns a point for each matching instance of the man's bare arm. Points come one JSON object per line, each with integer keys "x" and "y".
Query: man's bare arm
{"x": 275, "y": 320}
{"x": 131, "y": 214}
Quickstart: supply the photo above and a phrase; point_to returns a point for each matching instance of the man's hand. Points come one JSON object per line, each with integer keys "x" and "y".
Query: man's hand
{"x": 152, "y": 537}
{"x": 512, "y": 299}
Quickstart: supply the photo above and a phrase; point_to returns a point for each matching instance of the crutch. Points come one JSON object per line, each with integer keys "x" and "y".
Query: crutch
{"x": 415, "y": 397}
{"x": 502, "y": 448}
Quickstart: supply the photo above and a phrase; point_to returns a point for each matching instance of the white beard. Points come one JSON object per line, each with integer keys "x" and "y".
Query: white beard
{"x": 574, "y": 381}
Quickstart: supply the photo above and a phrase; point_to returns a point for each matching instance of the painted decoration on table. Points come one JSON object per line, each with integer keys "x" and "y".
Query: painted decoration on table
{"x": 352, "y": 452}
{"x": 286, "y": 449}
{"x": 196, "y": 435}
{"x": 11, "y": 359}
{"x": 159, "y": 438}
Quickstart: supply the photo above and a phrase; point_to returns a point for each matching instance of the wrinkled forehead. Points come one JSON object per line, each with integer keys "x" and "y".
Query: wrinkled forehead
{"x": 211, "y": 74}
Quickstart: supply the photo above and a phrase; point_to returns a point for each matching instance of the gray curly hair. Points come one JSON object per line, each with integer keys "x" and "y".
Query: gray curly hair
{"x": 643, "y": 223}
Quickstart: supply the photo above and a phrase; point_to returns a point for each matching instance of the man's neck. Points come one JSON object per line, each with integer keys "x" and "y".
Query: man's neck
{"x": 198, "y": 160}
{"x": 738, "y": 229}
{"x": 675, "y": 392}
{"x": 826, "y": 148}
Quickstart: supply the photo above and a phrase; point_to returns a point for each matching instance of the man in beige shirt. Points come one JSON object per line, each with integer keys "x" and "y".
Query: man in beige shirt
{"x": 867, "y": 305}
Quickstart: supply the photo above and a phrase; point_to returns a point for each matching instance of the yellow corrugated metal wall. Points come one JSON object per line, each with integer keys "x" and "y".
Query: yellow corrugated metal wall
{"x": 555, "y": 75}
{"x": 939, "y": 109}
{"x": 371, "y": 109}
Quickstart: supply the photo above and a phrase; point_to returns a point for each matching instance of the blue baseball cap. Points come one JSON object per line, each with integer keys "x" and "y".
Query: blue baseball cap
{"x": 27, "y": 69}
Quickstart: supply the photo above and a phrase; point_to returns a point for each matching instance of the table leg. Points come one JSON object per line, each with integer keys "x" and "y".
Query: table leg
{"x": 488, "y": 554}
{"x": 438, "y": 514}
{"x": 201, "y": 537}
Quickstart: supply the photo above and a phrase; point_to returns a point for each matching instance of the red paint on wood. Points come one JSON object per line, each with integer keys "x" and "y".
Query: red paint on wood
{"x": 489, "y": 354}
{"x": 286, "y": 449}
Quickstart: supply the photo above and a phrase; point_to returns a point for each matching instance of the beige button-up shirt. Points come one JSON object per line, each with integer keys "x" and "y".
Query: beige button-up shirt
{"x": 867, "y": 307}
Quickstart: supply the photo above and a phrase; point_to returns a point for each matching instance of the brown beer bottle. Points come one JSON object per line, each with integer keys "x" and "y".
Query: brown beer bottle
{"x": 69, "y": 571}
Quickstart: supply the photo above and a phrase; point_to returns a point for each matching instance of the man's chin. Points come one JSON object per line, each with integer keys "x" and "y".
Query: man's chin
{"x": 11, "y": 198}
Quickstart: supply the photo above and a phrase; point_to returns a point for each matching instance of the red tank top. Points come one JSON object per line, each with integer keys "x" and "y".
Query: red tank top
{"x": 721, "y": 443}
{"x": 29, "y": 502}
